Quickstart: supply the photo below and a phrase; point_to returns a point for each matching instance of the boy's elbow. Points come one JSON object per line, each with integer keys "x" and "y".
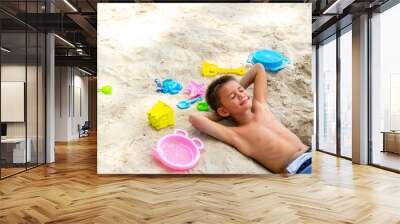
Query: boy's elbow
{"x": 191, "y": 118}
{"x": 260, "y": 70}
{"x": 259, "y": 66}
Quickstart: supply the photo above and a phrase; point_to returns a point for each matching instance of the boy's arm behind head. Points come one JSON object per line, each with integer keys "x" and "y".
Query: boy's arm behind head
{"x": 256, "y": 75}
{"x": 213, "y": 116}
{"x": 204, "y": 124}
{"x": 248, "y": 78}
{"x": 260, "y": 84}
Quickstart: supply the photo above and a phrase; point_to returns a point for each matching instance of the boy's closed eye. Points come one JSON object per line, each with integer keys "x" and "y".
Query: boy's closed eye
{"x": 233, "y": 94}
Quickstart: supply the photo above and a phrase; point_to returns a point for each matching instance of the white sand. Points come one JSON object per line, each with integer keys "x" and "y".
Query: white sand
{"x": 140, "y": 42}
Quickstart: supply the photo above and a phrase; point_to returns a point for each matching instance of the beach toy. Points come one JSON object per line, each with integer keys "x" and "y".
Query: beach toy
{"x": 177, "y": 151}
{"x": 158, "y": 85}
{"x": 171, "y": 86}
{"x": 107, "y": 89}
{"x": 160, "y": 115}
{"x": 272, "y": 60}
{"x": 210, "y": 70}
{"x": 202, "y": 106}
{"x": 184, "y": 104}
{"x": 195, "y": 89}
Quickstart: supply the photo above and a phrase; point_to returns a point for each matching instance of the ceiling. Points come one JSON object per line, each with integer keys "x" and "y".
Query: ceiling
{"x": 76, "y": 22}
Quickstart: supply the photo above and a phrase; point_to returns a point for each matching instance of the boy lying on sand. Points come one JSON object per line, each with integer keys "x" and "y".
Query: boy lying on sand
{"x": 258, "y": 134}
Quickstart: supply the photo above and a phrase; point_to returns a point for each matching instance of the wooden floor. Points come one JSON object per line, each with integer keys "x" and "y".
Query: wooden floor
{"x": 10, "y": 171}
{"x": 70, "y": 191}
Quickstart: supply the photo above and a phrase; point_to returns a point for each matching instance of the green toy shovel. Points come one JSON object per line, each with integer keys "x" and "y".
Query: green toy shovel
{"x": 107, "y": 89}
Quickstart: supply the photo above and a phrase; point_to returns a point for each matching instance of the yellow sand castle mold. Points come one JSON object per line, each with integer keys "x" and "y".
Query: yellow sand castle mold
{"x": 160, "y": 115}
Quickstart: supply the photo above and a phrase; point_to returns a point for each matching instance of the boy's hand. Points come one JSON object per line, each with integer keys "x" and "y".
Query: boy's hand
{"x": 256, "y": 75}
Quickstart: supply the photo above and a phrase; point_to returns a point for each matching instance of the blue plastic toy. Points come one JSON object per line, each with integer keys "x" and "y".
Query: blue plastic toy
{"x": 184, "y": 104}
{"x": 168, "y": 86}
{"x": 272, "y": 60}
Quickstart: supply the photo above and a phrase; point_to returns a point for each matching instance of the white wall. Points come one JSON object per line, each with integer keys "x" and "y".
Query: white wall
{"x": 62, "y": 81}
{"x": 80, "y": 83}
{"x": 70, "y": 83}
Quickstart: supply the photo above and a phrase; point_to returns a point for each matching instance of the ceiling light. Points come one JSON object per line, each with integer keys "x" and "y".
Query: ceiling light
{"x": 70, "y": 5}
{"x": 84, "y": 71}
{"x": 64, "y": 40}
{"x": 5, "y": 49}
{"x": 79, "y": 51}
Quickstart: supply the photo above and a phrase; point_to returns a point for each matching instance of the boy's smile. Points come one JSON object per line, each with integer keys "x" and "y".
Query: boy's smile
{"x": 245, "y": 101}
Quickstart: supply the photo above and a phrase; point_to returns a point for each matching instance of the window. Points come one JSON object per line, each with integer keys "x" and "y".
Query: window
{"x": 385, "y": 89}
{"x": 346, "y": 93}
{"x": 327, "y": 96}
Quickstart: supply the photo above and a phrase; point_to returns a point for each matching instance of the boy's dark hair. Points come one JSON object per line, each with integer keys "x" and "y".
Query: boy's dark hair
{"x": 213, "y": 89}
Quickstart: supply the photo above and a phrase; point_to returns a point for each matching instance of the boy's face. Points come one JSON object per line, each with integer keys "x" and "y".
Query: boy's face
{"x": 234, "y": 99}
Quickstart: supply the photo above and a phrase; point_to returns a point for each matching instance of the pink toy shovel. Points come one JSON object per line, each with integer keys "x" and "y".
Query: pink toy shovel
{"x": 177, "y": 151}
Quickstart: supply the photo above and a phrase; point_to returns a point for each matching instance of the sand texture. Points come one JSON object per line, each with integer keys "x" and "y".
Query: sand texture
{"x": 140, "y": 42}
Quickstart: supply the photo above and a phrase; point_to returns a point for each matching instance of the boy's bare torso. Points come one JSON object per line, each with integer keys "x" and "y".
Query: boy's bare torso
{"x": 266, "y": 140}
